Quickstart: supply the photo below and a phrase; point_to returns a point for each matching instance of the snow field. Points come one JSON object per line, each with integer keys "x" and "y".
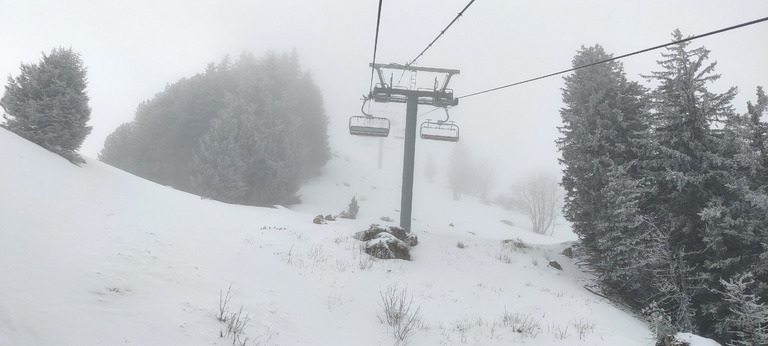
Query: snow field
{"x": 95, "y": 256}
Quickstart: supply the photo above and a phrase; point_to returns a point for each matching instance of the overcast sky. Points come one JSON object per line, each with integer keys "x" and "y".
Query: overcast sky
{"x": 134, "y": 48}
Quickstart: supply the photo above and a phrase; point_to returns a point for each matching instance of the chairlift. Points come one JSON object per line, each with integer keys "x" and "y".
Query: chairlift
{"x": 368, "y": 125}
{"x": 440, "y": 130}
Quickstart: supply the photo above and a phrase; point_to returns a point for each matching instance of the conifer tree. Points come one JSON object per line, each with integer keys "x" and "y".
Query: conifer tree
{"x": 758, "y": 138}
{"x": 48, "y": 105}
{"x": 219, "y": 167}
{"x": 248, "y": 131}
{"x": 747, "y": 322}
{"x": 603, "y": 142}
{"x": 685, "y": 171}
{"x": 601, "y": 129}
{"x": 736, "y": 219}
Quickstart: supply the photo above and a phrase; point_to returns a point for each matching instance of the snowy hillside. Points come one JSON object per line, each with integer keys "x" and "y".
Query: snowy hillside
{"x": 92, "y": 255}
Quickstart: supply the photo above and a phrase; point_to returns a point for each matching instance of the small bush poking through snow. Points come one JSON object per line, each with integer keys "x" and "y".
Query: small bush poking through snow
{"x": 399, "y": 313}
{"x": 583, "y": 328}
{"x": 515, "y": 244}
{"x": 524, "y": 324}
{"x": 352, "y": 209}
{"x": 460, "y": 245}
{"x": 364, "y": 261}
{"x": 236, "y": 324}
{"x": 224, "y": 299}
{"x": 559, "y": 332}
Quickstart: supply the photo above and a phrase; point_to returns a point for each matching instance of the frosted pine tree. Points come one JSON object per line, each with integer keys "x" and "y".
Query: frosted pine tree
{"x": 602, "y": 127}
{"x": 758, "y": 138}
{"x": 603, "y": 142}
{"x": 219, "y": 166}
{"x": 747, "y": 323}
{"x": 48, "y": 105}
{"x": 684, "y": 170}
{"x": 736, "y": 220}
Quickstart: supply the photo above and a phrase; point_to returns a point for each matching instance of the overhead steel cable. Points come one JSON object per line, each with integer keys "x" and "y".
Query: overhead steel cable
{"x": 619, "y": 57}
{"x": 441, "y": 34}
{"x": 375, "y": 46}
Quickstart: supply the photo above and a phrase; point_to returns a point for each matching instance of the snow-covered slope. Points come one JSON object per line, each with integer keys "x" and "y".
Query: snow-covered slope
{"x": 92, "y": 255}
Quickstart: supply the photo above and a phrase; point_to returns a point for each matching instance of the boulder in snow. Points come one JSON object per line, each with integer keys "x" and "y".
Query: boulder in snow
{"x": 374, "y": 230}
{"x": 387, "y": 246}
{"x": 387, "y": 243}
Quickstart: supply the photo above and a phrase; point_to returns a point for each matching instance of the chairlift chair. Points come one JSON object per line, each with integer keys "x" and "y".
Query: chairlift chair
{"x": 363, "y": 125}
{"x": 439, "y": 131}
{"x": 368, "y": 125}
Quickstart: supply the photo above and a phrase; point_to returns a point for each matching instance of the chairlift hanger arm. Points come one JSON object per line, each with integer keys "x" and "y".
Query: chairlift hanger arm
{"x": 362, "y": 108}
{"x": 447, "y": 117}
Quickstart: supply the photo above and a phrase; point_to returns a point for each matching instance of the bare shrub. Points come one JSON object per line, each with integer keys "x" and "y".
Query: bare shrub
{"x": 560, "y": 332}
{"x": 583, "y": 327}
{"x": 224, "y": 299}
{"x": 364, "y": 261}
{"x": 236, "y": 324}
{"x": 504, "y": 256}
{"x": 540, "y": 199}
{"x": 291, "y": 259}
{"x": 463, "y": 326}
{"x": 508, "y": 246}
{"x": 524, "y": 324}
{"x": 316, "y": 254}
{"x": 341, "y": 239}
{"x": 399, "y": 312}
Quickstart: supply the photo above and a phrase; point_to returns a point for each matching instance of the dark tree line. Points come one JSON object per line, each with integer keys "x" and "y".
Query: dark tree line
{"x": 247, "y": 132}
{"x": 47, "y": 103}
{"x": 667, "y": 189}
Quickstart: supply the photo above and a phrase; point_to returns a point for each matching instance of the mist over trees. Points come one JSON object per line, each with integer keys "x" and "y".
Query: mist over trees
{"x": 47, "y": 103}
{"x": 667, "y": 191}
{"x": 466, "y": 174}
{"x": 539, "y": 198}
{"x": 248, "y": 131}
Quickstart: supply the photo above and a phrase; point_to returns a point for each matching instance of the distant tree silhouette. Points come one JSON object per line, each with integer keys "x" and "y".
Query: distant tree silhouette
{"x": 249, "y": 132}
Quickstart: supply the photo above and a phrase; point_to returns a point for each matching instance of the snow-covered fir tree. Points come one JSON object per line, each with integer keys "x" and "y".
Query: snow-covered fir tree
{"x": 684, "y": 168}
{"x": 603, "y": 140}
{"x": 747, "y": 321}
{"x": 48, "y": 105}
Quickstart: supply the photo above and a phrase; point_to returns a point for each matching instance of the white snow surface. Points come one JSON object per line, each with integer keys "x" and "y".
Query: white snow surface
{"x": 92, "y": 255}
{"x": 695, "y": 340}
